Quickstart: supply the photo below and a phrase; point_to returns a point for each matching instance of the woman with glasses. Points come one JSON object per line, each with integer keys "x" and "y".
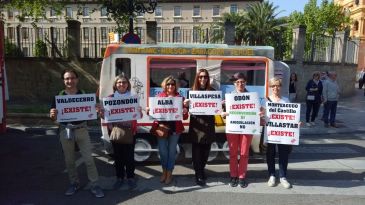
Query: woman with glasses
{"x": 123, "y": 153}
{"x": 201, "y": 130}
{"x": 167, "y": 146}
{"x": 314, "y": 98}
{"x": 283, "y": 150}
{"x": 239, "y": 144}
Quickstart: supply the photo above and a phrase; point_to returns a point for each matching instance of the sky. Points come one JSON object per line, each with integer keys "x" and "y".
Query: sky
{"x": 288, "y": 6}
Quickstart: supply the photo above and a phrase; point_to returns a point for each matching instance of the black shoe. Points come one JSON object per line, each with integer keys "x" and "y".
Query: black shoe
{"x": 200, "y": 182}
{"x": 233, "y": 182}
{"x": 242, "y": 183}
{"x": 334, "y": 125}
{"x": 204, "y": 176}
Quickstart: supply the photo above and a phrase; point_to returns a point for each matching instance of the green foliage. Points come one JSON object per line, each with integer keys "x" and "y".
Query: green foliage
{"x": 11, "y": 50}
{"x": 40, "y": 49}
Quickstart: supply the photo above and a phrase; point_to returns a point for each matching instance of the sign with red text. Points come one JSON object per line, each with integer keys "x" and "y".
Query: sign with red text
{"x": 205, "y": 102}
{"x": 243, "y": 113}
{"x": 119, "y": 109}
{"x": 76, "y": 107}
{"x": 282, "y": 123}
{"x": 166, "y": 108}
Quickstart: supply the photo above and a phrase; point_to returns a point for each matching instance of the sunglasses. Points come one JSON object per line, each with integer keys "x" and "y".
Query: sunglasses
{"x": 278, "y": 86}
{"x": 203, "y": 76}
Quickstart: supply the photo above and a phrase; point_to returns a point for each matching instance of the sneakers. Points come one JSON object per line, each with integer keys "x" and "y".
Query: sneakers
{"x": 284, "y": 182}
{"x": 242, "y": 183}
{"x": 271, "y": 182}
{"x": 72, "y": 189}
{"x": 131, "y": 183}
{"x": 313, "y": 123}
{"x": 233, "y": 182}
{"x": 308, "y": 124}
{"x": 119, "y": 183}
{"x": 96, "y": 190}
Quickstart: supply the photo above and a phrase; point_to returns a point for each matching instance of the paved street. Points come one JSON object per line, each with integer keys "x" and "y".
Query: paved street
{"x": 327, "y": 168}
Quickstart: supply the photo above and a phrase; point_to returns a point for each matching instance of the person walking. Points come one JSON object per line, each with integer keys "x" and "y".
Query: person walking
{"x": 201, "y": 130}
{"x": 314, "y": 89}
{"x": 79, "y": 138}
{"x": 361, "y": 77}
{"x": 167, "y": 146}
{"x": 331, "y": 93}
{"x": 283, "y": 150}
{"x": 239, "y": 144}
{"x": 123, "y": 152}
{"x": 293, "y": 87}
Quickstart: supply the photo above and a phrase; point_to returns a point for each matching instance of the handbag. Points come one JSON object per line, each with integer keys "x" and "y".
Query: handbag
{"x": 121, "y": 135}
{"x": 160, "y": 131}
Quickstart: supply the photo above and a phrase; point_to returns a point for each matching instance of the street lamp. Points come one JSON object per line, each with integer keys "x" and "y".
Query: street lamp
{"x": 120, "y": 8}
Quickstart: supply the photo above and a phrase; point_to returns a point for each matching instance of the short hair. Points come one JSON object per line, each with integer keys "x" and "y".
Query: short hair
{"x": 168, "y": 79}
{"x": 121, "y": 77}
{"x": 69, "y": 71}
{"x": 316, "y": 73}
{"x": 275, "y": 80}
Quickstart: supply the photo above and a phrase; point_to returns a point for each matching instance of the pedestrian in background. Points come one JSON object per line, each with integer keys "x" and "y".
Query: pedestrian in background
{"x": 361, "y": 77}
{"x": 80, "y": 138}
{"x": 239, "y": 144}
{"x": 201, "y": 130}
{"x": 314, "y": 89}
{"x": 331, "y": 93}
{"x": 293, "y": 87}
{"x": 123, "y": 152}
{"x": 283, "y": 150}
{"x": 167, "y": 147}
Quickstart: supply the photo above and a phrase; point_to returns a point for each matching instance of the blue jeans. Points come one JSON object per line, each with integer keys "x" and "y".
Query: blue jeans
{"x": 330, "y": 108}
{"x": 283, "y": 151}
{"x": 167, "y": 150}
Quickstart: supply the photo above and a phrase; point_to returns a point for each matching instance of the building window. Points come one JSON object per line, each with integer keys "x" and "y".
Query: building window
{"x": 196, "y": 11}
{"x": 158, "y": 34}
{"x": 233, "y": 9}
{"x": 85, "y": 12}
{"x": 55, "y": 34}
{"x": 158, "y": 11}
{"x": 10, "y": 15}
{"x": 25, "y": 33}
{"x": 10, "y": 33}
{"x": 40, "y": 33}
{"x": 139, "y": 32}
{"x": 176, "y": 34}
{"x": 216, "y": 9}
{"x": 356, "y": 2}
{"x": 177, "y": 11}
{"x": 196, "y": 34}
{"x": 69, "y": 12}
{"x": 86, "y": 52}
{"x": 103, "y": 12}
{"x": 104, "y": 34}
{"x": 86, "y": 33}
{"x": 356, "y": 26}
{"x": 26, "y": 51}
{"x": 52, "y": 12}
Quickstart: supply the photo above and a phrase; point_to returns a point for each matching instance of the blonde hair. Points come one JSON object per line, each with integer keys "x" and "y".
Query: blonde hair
{"x": 275, "y": 80}
{"x": 168, "y": 79}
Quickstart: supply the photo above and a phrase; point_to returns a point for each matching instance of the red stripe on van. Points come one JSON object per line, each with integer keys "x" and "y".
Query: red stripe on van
{"x": 110, "y": 50}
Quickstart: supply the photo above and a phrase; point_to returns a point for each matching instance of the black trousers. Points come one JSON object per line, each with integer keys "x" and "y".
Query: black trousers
{"x": 312, "y": 110}
{"x": 124, "y": 160}
{"x": 200, "y": 154}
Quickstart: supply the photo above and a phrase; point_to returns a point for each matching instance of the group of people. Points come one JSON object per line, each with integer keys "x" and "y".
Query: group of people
{"x": 201, "y": 133}
{"x": 322, "y": 88}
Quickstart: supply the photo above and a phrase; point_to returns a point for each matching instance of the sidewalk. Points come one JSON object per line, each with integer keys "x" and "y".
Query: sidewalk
{"x": 350, "y": 115}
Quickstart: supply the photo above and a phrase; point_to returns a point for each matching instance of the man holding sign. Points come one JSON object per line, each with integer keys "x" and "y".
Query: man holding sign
{"x": 71, "y": 108}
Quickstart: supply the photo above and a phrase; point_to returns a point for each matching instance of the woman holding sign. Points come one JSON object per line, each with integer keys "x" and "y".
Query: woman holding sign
{"x": 167, "y": 143}
{"x": 238, "y": 143}
{"x": 123, "y": 151}
{"x": 283, "y": 150}
{"x": 201, "y": 130}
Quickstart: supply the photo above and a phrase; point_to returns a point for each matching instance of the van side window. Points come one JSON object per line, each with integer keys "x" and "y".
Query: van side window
{"x": 254, "y": 71}
{"x": 123, "y": 66}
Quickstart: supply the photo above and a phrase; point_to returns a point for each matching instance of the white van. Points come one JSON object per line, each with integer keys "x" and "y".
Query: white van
{"x": 147, "y": 65}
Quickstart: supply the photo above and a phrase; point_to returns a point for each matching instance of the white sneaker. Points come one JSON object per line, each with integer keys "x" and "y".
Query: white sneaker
{"x": 271, "y": 182}
{"x": 313, "y": 123}
{"x": 308, "y": 124}
{"x": 284, "y": 182}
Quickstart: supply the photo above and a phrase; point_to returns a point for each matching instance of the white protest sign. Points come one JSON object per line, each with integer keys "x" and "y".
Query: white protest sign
{"x": 205, "y": 102}
{"x": 243, "y": 110}
{"x": 76, "y": 107}
{"x": 166, "y": 108}
{"x": 282, "y": 123}
{"x": 119, "y": 109}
